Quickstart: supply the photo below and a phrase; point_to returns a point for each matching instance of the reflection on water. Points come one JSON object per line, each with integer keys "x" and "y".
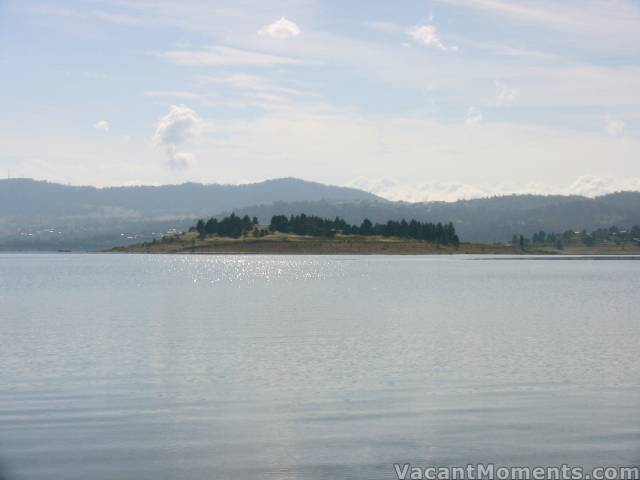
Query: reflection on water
{"x": 191, "y": 367}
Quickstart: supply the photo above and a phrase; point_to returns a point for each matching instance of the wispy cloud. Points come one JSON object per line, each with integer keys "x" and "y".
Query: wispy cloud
{"x": 428, "y": 35}
{"x": 119, "y": 18}
{"x": 613, "y": 126}
{"x": 600, "y": 23}
{"x": 243, "y": 81}
{"x": 473, "y": 116}
{"x": 224, "y": 56}
{"x": 555, "y": 60}
{"x": 102, "y": 125}
{"x": 505, "y": 94}
{"x": 238, "y": 91}
{"x": 383, "y": 26}
{"x": 213, "y": 20}
{"x": 171, "y": 94}
{"x": 281, "y": 29}
{"x": 573, "y": 14}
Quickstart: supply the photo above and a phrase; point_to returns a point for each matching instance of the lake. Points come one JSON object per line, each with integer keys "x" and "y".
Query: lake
{"x": 313, "y": 367}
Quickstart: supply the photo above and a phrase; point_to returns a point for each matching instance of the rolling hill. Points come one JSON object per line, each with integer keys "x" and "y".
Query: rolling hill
{"x": 487, "y": 220}
{"x": 37, "y": 215}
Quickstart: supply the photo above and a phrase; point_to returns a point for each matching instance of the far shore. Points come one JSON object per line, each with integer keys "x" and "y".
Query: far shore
{"x": 285, "y": 244}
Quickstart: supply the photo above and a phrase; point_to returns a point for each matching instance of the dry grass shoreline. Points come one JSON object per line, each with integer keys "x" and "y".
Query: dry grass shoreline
{"x": 301, "y": 245}
{"x": 286, "y": 244}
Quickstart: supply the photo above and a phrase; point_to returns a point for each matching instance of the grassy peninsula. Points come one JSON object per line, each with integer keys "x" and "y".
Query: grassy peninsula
{"x": 283, "y": 243}
{"x": 302, "y": 234}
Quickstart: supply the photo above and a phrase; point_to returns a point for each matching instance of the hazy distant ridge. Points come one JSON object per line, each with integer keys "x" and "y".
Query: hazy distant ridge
{"x": 26, "y": 197}
{"x": 42, "y": 215}
{"x": 493, "y": 219}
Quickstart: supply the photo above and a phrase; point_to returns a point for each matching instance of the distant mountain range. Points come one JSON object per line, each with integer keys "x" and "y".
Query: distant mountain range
{"x": 36, "y": 215}
{"x": 486, "y": 220}
{"x": 20, "y": 198}
{"x": 43, "y": 215}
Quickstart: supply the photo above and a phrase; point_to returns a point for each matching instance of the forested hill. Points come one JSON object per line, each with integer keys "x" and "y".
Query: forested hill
{"x": 37, "y": 215}
{"x": 41, "y": 215}
{"x": 486, "y": 220}
{"x": 26, "y": 199}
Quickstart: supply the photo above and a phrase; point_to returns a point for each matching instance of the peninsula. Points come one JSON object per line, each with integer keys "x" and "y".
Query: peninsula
{"x": 302, "y": 234}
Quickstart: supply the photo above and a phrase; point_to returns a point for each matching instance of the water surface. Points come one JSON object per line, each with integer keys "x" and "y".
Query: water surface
{"x": 314, "y": 367}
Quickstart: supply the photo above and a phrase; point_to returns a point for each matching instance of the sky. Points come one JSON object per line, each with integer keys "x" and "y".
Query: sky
{"x": 413, "y": 100}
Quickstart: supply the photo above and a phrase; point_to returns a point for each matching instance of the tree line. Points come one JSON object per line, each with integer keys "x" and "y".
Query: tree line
{"x": 231, "y": 226}
{"x": 613, "y": 235}
{"x": 235, "y": 227}
{"x": 317, "y": 226}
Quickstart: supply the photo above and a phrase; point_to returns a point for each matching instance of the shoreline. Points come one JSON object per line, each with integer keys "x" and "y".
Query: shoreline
{"x": 288, "y": 244}
{"x": 315, "y": 246}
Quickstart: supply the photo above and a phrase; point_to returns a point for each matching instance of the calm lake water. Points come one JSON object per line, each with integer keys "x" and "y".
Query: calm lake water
{"x": 313, "y": 367}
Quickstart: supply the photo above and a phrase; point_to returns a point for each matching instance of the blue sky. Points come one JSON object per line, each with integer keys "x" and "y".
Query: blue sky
{"x": 415, "y": 100}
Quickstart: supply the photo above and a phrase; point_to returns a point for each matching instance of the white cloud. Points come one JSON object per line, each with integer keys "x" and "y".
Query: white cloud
{"x": 177, "y": 127}
{"x": 593, "y": 186}
{"x": 428, "y": 35}
{"x": 429, "y": 191}
{"x": 335, "y": 145}
{"x": 423, "y": 34}
{"x": 102, "y": 125}
{"x": 613, "y": 126}
{"x": 281, "y": 29}
{"x": 181, "y": 124}
{"x": 346, "y": 143}
{"x": 220, "y": 55}
{"x": 434, "y": 190}
{"x": 178, "y": 160}
{"x": 473, "y": 116}
{"x": 506, "y": 94}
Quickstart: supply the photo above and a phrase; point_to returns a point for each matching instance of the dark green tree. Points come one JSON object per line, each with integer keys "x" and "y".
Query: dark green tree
{"x": 200, "y": 228}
